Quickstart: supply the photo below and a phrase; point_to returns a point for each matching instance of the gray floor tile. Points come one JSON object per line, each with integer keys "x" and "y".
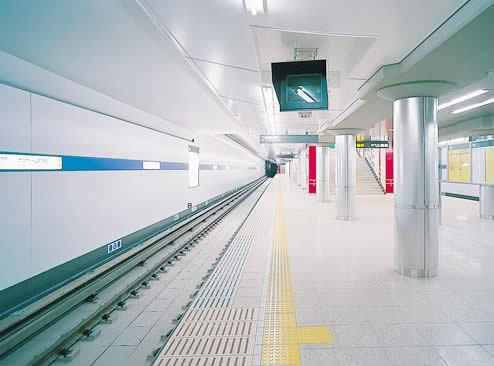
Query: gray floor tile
{"x": 246, "y": 302}
{"x": 248, "y": 291}
{"x": 373, "y": 299}
{"x": 482, "y": 332}
{"x": 114, "y": 355}
{"x": 465, "y": 313}
{"x": 425, "y": 314}
{"x": 414, "y": 356}
{"x": 355, "y": 335}
{"x": 309, "y": 316}
{"x": 345, "y": 315}
{"x": 327, "y": 299}
{"x": 146, "y": 319}
{"x": 463, "y": 355}
{"x": 385, "y": 314}
{"x": 318, "y": 357}
{"x": 399, "y": 335}
{"x": 409, "y": 298}
{"x": 489, "y": 348}
{"x": 131, "y": 336}
{"x": 362, "y": 357}
{"x": 444, "y": 334}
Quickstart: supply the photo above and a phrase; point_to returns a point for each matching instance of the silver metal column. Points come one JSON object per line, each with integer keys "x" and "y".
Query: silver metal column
{"x": 416, "y": 189}
{"x": 345, "y": 176}
{"x": 486, "y": 202}
{"x": 322, "y": 173}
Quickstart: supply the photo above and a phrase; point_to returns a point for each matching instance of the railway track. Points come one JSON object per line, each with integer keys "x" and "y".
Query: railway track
{"x": 98, "y": 295}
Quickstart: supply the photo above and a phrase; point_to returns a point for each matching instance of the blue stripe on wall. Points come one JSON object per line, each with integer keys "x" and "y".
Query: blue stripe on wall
{"x": 78, "y": 163}
{"x": 86, "y": 163}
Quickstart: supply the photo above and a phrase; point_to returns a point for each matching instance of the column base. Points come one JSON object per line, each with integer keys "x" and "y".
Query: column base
{"x": 416, "y": 272}
{"x": 487, "y": 217}
{"x": 344, "y": 218}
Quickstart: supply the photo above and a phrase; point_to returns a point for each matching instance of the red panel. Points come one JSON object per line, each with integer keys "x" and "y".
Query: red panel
{"x": 312, "y": 169}
{"x": 389, "y": 172}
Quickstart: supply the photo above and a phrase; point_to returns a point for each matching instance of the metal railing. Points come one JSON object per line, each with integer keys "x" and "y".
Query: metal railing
{"x": 486, "y": 197}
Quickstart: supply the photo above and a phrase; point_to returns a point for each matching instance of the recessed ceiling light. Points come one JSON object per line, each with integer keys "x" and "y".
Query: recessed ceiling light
{"x": 471, "y": 95}
{"x": 473, "y": 106}
{"x": 304, "y": 95}
{"x": 255, "y": 6}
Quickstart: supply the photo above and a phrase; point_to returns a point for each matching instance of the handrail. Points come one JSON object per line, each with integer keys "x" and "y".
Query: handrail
{"x": 473, "y": 183}
{"x": 372, "y": 167}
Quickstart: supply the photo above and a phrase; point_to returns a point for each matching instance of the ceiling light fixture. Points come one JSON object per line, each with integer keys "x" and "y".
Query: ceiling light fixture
{"x": 267, "y": 93}
{"x": 471, "y": 95}
{"x": 304, "y": 95}
{"x": 255, "y": 6}
{"x": 473, "y": 106}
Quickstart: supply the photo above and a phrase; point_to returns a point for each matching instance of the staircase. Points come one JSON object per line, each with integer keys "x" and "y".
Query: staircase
{"x": 367, "y": 181}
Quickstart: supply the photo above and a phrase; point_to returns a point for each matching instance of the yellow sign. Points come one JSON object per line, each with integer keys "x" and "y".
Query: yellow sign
{"x": 489, "y": 165}
{"x": 459, "y": 165}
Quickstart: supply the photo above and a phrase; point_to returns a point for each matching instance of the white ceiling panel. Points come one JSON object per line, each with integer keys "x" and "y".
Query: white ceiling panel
{"x": 341, "y": 53}
{"x": 233, "y": 83}
{"x": 213, "y": 30}
{"x": 113, "y": 48}
{"x": 445, "y": 118}
{"x": 394, "y": 23}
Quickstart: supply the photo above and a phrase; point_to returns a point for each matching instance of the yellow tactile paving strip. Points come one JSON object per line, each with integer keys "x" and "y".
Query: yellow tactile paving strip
{"x": 281, "y": 339}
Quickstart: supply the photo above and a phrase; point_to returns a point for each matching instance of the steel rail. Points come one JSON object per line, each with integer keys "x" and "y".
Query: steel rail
{"x": 48, "y": 310}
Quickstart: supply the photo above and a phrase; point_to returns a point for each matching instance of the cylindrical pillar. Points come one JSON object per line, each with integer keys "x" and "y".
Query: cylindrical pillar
{"x": 416, "y": 190}
{"x": 345, "y": 176}
{"x": 322, "y": 171}
{"x": 486, "y": 202}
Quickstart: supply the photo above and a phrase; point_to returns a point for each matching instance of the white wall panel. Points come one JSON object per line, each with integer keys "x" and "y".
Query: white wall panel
{"x": 15, "y": 227}
{"x": 15, "y": 119}
{"x": 60, "y": 128}
{"x": 76, "y": 212}
{"x": 73, "y": 213}
{"x": 478, "y": 165}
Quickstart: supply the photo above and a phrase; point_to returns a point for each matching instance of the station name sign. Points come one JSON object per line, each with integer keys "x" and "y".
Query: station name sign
{"x": 289, "y": 139}
{"x": 287, "y": 156}
{"x": 372, "y": 144}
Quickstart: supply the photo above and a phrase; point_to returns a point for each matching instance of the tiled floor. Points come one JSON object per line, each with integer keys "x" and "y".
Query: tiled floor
{"x": 342, "y": 277}
{"x": 344, "y": 271}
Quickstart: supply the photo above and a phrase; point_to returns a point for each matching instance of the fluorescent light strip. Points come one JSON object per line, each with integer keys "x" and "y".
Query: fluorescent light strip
{"x": 305, "y": 96}
{"x": 255, "y": 6}
{"x": 473, "y": 106}
{"x": 468, "y": 96}
{"x": 269, "y": 104}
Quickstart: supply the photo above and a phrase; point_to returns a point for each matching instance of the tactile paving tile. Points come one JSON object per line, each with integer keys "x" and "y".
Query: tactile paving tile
{"x": 217, "y": 329}
{"x": 206, "y": 361}
{"x": 314, "y": 335}
{"x": 211, "y": 332}
{"x": 208, "y": 346}
{"x": 227, "y": 314}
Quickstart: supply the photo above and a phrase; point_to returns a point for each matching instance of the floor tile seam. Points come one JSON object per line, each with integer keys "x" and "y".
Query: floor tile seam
{"x": 467, "y": 333}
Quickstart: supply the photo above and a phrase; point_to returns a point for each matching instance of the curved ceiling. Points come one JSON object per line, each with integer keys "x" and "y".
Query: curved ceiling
{"x": 201, "y": 64}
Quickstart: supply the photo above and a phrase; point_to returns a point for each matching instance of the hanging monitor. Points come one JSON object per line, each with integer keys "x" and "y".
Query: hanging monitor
{"x": 300, "y": 85}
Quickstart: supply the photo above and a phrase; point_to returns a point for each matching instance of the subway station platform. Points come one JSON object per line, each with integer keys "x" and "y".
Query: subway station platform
{"x": 298, "y": 287}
